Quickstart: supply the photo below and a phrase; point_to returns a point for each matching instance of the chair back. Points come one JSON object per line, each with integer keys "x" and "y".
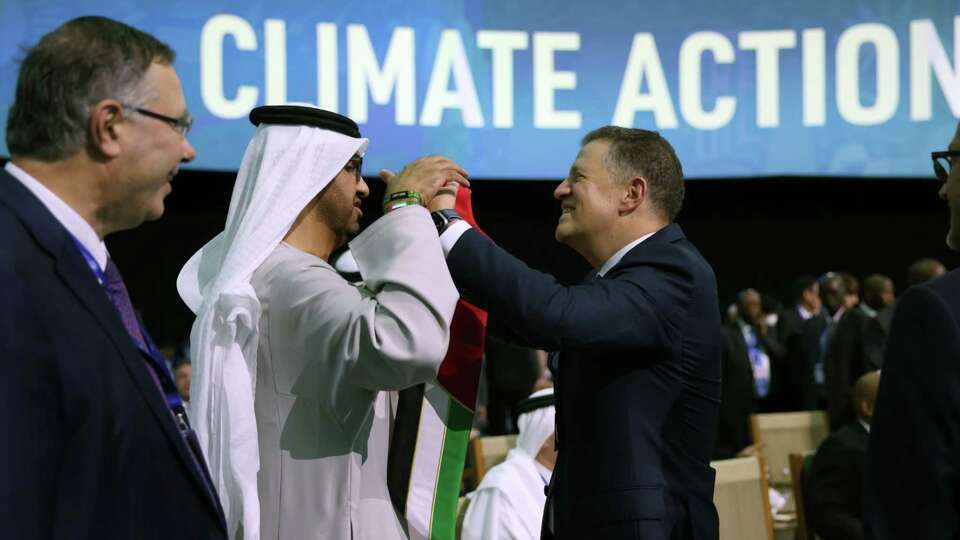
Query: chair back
{"x": 485, "y": 452}
{"x": 781, "y": 434}
{"x": 740, "y": 495}
{"x": 800, "y": 464}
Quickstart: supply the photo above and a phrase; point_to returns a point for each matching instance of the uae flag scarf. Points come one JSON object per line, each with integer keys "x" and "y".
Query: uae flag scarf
{"x": 432, "y": 426}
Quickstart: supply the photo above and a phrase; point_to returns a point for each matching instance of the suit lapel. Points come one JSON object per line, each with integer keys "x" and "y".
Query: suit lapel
{"x": 50, "y": 236}
{"x": 669, "y": 234}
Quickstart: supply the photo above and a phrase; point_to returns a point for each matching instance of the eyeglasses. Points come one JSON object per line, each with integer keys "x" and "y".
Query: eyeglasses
{"x": 943, "y": 162}
{"x": 182, "y": 125}
{"x": 354, "y": 165}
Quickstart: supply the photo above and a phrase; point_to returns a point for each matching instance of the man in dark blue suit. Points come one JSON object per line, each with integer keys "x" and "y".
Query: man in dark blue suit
{"x": 912, "y": 487}
{"x": 637, "y": 347}
{"x": 96, "y": 440}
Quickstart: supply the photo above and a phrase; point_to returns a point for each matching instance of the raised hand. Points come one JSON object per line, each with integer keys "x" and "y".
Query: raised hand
{"x": 426, "y": 176}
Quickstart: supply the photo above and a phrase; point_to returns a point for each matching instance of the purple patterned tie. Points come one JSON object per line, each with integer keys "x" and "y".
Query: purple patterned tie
{"x": 121, "y": 299}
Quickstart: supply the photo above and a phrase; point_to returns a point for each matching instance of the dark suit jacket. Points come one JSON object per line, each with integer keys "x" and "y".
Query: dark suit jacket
{"x": 913, "y": 460}
{"x": 637, "y": 382}
{"x": 90, "y": 448}
{"x": 875, "y": 337}
{"x": 836, "y": 484}
{"x": 846, "y": 361}
{"x": 801, "y": 340}
{"x": 738, "y": 395}
{"x": 789, "y": 325}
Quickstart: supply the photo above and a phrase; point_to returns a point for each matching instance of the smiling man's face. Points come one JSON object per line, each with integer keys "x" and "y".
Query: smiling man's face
{"x": 588, "y": 199}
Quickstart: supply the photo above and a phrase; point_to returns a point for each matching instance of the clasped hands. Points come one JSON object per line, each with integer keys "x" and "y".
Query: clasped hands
{"x": 435, "y": 178}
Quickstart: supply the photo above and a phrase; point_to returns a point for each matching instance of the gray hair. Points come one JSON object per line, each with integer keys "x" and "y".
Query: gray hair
{"x": 638, "y": 152}
{"x": 71, "y": 69}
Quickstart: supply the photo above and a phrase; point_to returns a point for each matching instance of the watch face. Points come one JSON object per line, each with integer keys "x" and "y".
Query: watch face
{"x": 442, "y": 217}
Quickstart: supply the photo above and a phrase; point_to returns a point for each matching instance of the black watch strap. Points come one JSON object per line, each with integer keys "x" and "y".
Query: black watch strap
{"x": 442, "y": 218}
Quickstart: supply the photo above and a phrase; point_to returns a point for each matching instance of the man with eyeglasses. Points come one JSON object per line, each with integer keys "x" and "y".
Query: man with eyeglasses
{"x": 913, "y": 460}
{"x": 293, "y": 364}
{"x": 97, "y": 443}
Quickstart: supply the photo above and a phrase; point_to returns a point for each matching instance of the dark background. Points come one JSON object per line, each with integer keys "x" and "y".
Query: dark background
{"x": 758, "y": 233}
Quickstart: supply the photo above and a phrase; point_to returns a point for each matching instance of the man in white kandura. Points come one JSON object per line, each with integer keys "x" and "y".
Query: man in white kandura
{"x": 276, "y": 321}
{"x": 508, "y": 503}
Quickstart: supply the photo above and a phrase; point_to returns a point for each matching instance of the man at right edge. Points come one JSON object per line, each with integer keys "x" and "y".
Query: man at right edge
{"x": 912, "y": 476}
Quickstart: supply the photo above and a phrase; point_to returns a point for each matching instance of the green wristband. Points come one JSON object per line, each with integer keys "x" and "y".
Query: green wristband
{"x": 403, "y": 195}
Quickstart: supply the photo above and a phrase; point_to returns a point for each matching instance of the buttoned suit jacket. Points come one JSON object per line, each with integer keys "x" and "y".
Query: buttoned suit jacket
{"x": 91, "y": 449}
{"x": 637, "y": 382}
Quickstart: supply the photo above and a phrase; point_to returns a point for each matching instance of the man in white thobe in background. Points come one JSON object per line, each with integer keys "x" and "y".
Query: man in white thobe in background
{"x": 325, "y": 350}
{"x": 508, "y": 503}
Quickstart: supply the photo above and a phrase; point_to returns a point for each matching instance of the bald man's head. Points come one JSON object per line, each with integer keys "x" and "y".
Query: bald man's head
{"x": 924, "y": 270}
{"x": 864, "y": 394}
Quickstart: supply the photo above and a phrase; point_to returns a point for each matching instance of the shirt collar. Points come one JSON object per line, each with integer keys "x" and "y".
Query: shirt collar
{"x": 545, "y": 473}
{"x": 866, "y": 425}
{"x": 67, "y": 216}
{"x": 804, "y": 314}
{"x": 612, "y": 261}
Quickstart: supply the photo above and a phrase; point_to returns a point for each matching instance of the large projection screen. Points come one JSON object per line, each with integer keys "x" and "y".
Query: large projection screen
{"x": 861, "y": 88}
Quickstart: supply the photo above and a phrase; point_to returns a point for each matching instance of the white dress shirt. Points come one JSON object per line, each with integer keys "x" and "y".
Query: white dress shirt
{"x": 68, "y": 217}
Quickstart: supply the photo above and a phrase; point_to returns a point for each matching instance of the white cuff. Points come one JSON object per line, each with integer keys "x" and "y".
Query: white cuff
{"x": 453, "y": 233}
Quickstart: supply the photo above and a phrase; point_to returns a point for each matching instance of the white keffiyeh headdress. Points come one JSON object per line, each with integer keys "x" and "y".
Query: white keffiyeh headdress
{"x": 283, "y": 169}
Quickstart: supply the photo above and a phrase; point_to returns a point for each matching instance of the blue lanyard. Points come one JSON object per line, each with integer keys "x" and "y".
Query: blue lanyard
{"x": 546, "y": 481}
{"x": 91, "y": 261}
{"x": 154, "y": 358}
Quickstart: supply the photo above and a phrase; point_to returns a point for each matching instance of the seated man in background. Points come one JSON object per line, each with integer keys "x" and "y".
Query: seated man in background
{"x": 924, "y": 270}
{"x": 509, "y": 501}
{"x": 836, "y": 478}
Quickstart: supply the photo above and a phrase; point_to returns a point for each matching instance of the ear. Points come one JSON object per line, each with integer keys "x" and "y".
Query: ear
{"x": 866, "y": 409}
{"x": 104, "y": 127}
{"x": 634, "y": 195}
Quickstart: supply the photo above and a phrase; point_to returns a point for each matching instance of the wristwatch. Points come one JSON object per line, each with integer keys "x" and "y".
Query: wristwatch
{"x": 443, "y": 218}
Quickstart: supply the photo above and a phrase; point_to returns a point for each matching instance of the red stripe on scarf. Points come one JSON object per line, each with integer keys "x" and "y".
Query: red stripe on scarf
{"x": 460, "y": 371}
